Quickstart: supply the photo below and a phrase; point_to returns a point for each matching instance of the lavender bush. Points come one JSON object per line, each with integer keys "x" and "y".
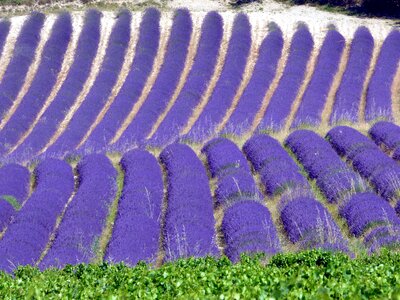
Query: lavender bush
{"x": 77, "y": 237}
{"x": 14, "y": 188}
{"x": 348, "y": 95}
{"x": 290, "y": 82}
{"x": 248, "y": 228}
{"x": 228, "y": 82}
{"x": 379, "y": 94}
{"x": 79, "y": 71}
{"x": 145, "y": 53}
{"x": 101, "y": 89}
{"x": 384, "y": 236}
{"x": 23, "y": 55}
{"x": 29, "y": 233}
{"x": 196, "y": 82}
{"x": 264, "y": 72}
{"x": 386, "y": 135}
{"x": 307, "y": 222}
{"x": 189, "y": 220}
{"x": 316, "y": 94}
{"x": 42, "y": 84}
{"x": 166, "y": 82}
{"x": 136, "y": 231}
{"x": 366, "y": 210}
{"x": 224, "y": 157}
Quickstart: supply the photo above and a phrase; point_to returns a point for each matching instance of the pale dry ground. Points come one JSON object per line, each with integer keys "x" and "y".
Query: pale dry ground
{"x": 30, "y": 75}
{"x": 77, "y": 21}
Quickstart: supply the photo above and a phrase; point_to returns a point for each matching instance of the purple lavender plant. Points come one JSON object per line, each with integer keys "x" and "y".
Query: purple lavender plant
{"x": 348, "y": 96}
{"x": 228, "y": 82}
{"x": 384, "y": 236}
{"x": 28, "y": 234}
{"x": 293, "y": 75}
{"x": 224, "y": 157}
{"x": 101, "y": 89}
{"x": 196, "y": 83}
{"x": 166, "y": 82}
{"x": 72, "y": 85}
{"x": 79, "y": 231}
{"x": 379, "y": 94}
{"x": 316, "y": 94}
{"x": 14, "y": 188}
{"x": 42, "y": 84}
{"x": 307, "y": 222}
{"x": 366, "y": 210}
{"x": 263, "y": 74}
{"x": 189, "y": 220}
{"x": 136, "y": 231}
{"x": 248, "y": 228}
{"x": 23, "y": 54}
{"x": 145, "y": 53}
{"x": 385, "y": 134}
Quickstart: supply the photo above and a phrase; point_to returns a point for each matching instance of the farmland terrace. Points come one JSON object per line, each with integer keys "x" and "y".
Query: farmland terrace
{"x": 162, "y": 134}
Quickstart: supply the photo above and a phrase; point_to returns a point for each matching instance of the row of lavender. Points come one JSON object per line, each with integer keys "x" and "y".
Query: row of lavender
{"x": 128, "y": 121}
{"x": 152, "y": 224}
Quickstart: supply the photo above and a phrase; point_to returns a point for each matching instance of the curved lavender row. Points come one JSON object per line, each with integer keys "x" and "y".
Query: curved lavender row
{"x": 27, "y": 236}
{"x": 277, "y": 169}
{"x": 4, "y": 30}
{"x": 348, "y": 96}
{"x": 290, "y": 82}
{"x": 367, "y": 210}
{"x": 316, "y": 94}
{"x": 385, "y": 134}
{"x": 261, "y": 79}
{"x": 197, "y": 80}
{"x": 189, "y": 220}
{"x": 227, "y": 163}
{"x": 367, "y": 159}
{"x": 310, "y": 224}
{"x": 166, "y": 82}
{"x": 23, "y": 55}
{"x": 248, "y": 228}
{"x": 145, "y": 53}
{"x": 237, "y": 186}
{"x": 72, "y": 85}
{"x": 385, "y": 236}
{"x": 228, "y": 82}
{"x": 335, "y": 179}
{"x": 84, "y": 219}
{"x": 224, "y": 157}
{"x": 136, "y": 231}
{"x": 14, "y": 188}
{"x": 101, "y": 89}
{"x": 42, "y": 84}
{"x": 379, "y": 94}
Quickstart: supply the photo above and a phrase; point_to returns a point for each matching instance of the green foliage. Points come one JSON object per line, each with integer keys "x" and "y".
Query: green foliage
{"x": 12, "y": 201}
{"x": 310, "y": 275}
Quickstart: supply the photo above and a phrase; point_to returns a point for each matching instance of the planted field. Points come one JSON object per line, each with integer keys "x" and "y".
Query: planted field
{"x": 149, "y": 136}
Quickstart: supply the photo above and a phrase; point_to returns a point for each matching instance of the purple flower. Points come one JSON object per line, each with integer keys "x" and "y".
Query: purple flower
{"x": 85, "y": 217}
{"x": 385, "y": 134}
{"x": 379, "y": 94}
{"x": 228, "y": 82}
{"x": 136, "y": 232}
{"x": 348, "y": 96}
{"x": 71, "y": 87}
{"x": 42, "y": 84}
{"x": 196, "y": 82}
{"x": 315, "y": 96}
{"x": 189, "y": 220}
{"x": 290, "y": 82}
{"x": 248, "y": 228}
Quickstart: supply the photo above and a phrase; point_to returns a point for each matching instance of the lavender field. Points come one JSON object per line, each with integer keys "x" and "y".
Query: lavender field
{"x": 154, "y": 136}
